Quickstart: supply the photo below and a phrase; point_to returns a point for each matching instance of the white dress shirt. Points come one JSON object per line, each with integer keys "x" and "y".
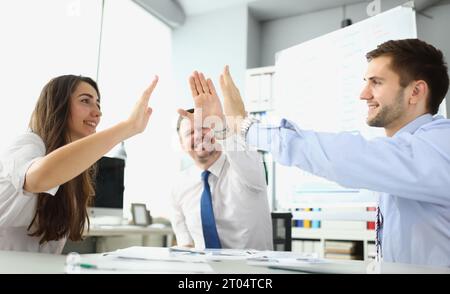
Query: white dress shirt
{"x": 411, "y": 170}
{"x": 239, "y": 199}
{"x": 17, "y": 206}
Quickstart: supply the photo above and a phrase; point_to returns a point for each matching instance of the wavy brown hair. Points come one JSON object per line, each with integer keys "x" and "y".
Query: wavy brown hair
{"x": 64, "y": 214}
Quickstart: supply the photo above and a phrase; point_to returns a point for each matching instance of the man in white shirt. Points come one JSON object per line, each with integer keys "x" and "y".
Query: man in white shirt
{"x": 234, "y": 182}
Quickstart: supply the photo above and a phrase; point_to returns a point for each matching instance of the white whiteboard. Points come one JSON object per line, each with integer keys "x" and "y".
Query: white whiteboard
{"x": 317, "y": 85}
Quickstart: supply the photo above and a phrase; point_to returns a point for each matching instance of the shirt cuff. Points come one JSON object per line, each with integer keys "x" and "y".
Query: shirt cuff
{"x": 184, "y": 239}
{"x": 52, "y": 191}
{"x": 232, "y": 143}
{"x": 286, "y": 124}
{"x": 260, "y": 136}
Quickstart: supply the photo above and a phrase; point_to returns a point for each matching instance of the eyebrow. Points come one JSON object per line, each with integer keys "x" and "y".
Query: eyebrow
{"x": 90, "y": 96}
{"x": 374, "y": 78}
{"x": 191, "y": 131}
{"x": 86, "y": 94}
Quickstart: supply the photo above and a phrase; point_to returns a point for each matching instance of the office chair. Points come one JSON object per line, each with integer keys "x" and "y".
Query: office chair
{"x": 282, "y": 231}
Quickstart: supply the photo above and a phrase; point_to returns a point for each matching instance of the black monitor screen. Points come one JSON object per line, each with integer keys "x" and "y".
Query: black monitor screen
{"x": 109, "y": 184}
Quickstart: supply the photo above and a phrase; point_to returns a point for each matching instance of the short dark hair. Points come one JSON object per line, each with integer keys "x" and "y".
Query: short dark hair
{"x": 413, "y": 59}
{"x": 180, "y": 118}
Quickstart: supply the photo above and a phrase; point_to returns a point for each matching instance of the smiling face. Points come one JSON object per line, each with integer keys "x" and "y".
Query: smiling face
{"x": 204, "y": 151}
{"x": 84, "y": 111}
{"x": 386, "y": 98}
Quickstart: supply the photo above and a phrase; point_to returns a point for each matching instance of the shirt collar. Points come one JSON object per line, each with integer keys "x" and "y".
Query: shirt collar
{"x": 414, "y": 125}
{"x": 214, "y": 169}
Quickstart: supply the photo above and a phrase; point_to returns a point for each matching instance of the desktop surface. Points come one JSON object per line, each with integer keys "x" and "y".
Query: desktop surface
{"x": 27, "y": 262}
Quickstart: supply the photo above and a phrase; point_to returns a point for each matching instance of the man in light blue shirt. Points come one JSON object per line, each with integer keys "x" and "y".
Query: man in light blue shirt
{"x": 406, "y": 81}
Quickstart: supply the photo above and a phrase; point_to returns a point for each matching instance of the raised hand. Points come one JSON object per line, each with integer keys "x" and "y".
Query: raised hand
{"x": 205, "y": 96}
{"x": 233, "y": 104}
{"x": 140, "y": 115}
{"x": 208, "y": 108}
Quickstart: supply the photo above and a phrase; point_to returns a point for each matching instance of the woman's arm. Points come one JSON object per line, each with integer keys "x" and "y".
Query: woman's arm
{"x": 67, "y": 162}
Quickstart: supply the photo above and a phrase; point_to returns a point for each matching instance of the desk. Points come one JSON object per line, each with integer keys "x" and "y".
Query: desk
{"x": 14, "y": 262}
{"x": 367, "y": 267}
{"x": 39, "y": 263}
{"x": 103, "y": 238}
{"x": 126, "y": 230}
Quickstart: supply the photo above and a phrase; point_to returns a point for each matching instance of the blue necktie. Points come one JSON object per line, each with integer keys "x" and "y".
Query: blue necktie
{"x": 207, "y": 215}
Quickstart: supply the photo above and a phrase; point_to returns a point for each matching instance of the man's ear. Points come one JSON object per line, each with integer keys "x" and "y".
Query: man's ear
{"x": 419, "y": 92}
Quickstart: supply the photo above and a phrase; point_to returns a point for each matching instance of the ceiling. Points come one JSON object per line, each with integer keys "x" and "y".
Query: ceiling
{"x": 174, "y": 12}
{"x": 273, "y": 9}
{"x": 196, "y": 7}
{"x": 264, "y": 9}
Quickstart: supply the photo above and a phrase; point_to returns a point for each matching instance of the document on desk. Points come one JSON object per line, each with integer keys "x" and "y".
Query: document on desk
{"x": 114, "y": 265}
{"x": 158, "y": 259}
{"x": 154, "y": 253}
{"x": 285, "y": 259}
{"x": 214, "y": 254}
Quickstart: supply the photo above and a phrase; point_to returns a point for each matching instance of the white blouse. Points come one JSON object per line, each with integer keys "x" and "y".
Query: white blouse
{"x": 17, "y": 206}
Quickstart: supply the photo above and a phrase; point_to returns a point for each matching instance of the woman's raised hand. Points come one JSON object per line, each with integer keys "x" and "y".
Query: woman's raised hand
{"x": 138, "y": 120}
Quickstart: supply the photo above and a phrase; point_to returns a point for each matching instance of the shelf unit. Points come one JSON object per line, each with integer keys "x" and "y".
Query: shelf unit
{"x": 258, "y": 100}
{"x": 259, "y": 89}
{"x": 349, "y": 224}
{"x": 367, "y": 237}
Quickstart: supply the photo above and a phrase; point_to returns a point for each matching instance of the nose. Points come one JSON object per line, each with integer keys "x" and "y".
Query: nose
{"x": 366, "y": 93}
{"x": 96, "y": 112}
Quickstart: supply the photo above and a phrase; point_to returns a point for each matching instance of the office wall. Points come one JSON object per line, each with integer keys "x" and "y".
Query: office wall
{"x": 34, "y": 50}
{"x": 207, "y": 42}
{"x": 435, "y": 31}
{"x": 283, "y": 33}
{"x": 132, "y": 52}
{"x": 253, "y": 42}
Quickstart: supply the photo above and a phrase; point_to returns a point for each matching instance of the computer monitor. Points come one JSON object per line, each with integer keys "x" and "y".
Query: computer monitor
{"x": 107, "y": 206}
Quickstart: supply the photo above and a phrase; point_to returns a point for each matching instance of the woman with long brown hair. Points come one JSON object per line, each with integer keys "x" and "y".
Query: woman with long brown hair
{"x": 46, "y": 175}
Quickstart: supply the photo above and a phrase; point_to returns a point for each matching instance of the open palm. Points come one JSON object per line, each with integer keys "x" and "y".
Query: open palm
{"x": 208, "y": 108}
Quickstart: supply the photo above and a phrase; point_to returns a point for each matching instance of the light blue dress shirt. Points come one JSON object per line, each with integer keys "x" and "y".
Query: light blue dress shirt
{"x": 410, "y": 170}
